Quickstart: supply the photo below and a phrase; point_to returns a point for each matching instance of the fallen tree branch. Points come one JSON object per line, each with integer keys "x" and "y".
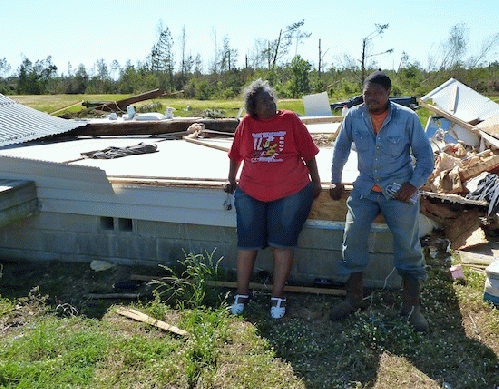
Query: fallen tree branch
{"x": 139, "y": 316}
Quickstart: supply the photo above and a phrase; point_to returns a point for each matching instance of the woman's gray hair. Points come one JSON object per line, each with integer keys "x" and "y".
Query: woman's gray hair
{"x": 251, "y": 91}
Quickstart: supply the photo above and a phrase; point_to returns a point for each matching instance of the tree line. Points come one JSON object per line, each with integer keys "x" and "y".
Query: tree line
{"x": 290, "y": 74}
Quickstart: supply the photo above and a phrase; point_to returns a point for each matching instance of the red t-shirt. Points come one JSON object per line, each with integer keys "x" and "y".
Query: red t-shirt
{"x": 273, "y": 151}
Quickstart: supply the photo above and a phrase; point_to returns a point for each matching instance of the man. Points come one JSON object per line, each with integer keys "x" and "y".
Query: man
{"x": 386, "y": 136}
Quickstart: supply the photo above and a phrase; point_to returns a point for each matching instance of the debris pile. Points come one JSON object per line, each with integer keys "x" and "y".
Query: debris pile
{"x": 462, "y": 194}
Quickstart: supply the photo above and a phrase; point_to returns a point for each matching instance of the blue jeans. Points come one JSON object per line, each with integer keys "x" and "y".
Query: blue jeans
{"x": 276, "y": 223}
{"x": 401, "y": 218}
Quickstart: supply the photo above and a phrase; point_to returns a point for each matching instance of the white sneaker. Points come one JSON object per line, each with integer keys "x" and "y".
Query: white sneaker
{"x": 278, "y": 308}
{"x": 239, "y": 302}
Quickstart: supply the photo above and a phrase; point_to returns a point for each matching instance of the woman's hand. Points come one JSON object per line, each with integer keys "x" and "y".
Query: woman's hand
{"x": 230, "y": 187}
{"x": 317, "y": 188}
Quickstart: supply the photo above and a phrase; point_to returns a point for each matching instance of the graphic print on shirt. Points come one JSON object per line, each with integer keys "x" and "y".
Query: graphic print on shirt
{"x": 267, "y": 146}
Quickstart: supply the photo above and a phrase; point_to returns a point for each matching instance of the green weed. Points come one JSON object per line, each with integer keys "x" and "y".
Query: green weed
{"x": 185, "y": 285}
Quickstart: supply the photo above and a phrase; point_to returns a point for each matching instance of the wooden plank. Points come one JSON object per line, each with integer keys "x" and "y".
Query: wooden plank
{"x": 111, "y": 296}
{"x": 253, "y": 285}
{"x": 452, "y": 118}
{"x": 199, "y": 142}
{"x": 453, "y": 99}
{"x": 139, "y": 316}
{"x": 321, "y": 119}
{"x": 490, "y": 136}
{"x": 325, "y": 208}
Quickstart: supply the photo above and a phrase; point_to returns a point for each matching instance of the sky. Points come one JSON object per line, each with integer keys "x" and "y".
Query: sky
{"x": 83, "y": 32}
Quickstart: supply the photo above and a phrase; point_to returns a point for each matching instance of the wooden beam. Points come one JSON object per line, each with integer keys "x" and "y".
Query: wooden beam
{"x": 447, "y": 115}
{"x": 112, "y": 106}
{"x": 152, "y": 127}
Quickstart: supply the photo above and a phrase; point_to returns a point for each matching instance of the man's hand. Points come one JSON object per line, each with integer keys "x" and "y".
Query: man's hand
{"x": 336, "y": 191}
{"x": 405, "y": 192}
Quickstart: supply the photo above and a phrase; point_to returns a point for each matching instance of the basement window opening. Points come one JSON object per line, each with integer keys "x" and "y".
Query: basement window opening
{"x": 125, "y": 224}
{"x": 107, "y": 223}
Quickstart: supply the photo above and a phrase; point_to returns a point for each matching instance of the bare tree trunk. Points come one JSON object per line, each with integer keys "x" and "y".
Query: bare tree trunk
{"x": 320, "y": 59}
{"x": 276, "y": 50}
{"x": 363, "y": 59}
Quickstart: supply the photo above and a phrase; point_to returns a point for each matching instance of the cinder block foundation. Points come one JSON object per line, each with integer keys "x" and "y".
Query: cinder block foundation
{"x": 83, "y": 238}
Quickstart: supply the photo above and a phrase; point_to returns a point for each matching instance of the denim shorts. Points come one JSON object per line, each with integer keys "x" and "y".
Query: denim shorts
{"x": 275, "y": 223}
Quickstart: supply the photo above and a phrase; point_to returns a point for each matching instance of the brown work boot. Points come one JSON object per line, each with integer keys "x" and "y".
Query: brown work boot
{"x": 353, "y": 300}
{"x": 411, "y": 307}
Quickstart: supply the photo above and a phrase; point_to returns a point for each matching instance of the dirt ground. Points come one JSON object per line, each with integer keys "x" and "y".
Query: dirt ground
{"x": 373, "y": 349}
{"x": 91, "y": 290}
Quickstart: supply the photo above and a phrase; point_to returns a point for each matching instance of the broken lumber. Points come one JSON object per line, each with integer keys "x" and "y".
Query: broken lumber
{"x": 112, "y": 295}
{"x": 198, "y": 142}
{"x": 452, "y": 118}
{"x": 253, "y": 285}
{"x": 139, "y": 316}
{"x": 120, "y": 104}
{"x": 465, "y": 231}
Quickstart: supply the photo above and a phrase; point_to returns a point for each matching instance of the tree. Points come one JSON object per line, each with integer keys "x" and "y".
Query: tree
{"x": 128, "y": 81}
{"x": 187, "y": 61}
{"x": 162, "y": 57}
{"x": 4, "y": 71}
{"x": 300, "y": 76}
{"x": 198, "y": 65}
{"x": 216, "y": 51}
{"x": 454, "y": 48}
{"x": 81, "y": 78}
{"x": 4, "y": 67}
{"x": 366, "y": 42}
{"x": 294, "y": 32}
{"x": 488, "y": 44}
{"x": 33, "y": 79}
{"x": 279, "y": 48}
{"x": 228, "y": 56}
{"x": 258, "y": 57}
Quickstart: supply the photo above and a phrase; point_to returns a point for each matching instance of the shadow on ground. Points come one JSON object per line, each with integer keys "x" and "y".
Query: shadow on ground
{"x": 72, "y": 286}
{"x": 377, "y": 348}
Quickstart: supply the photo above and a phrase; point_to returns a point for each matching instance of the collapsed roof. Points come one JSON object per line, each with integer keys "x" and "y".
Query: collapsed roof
{"x": 19, "y": 123}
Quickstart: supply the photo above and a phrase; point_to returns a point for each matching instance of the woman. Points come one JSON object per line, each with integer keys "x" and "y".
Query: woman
{"x": 278, "y": 183}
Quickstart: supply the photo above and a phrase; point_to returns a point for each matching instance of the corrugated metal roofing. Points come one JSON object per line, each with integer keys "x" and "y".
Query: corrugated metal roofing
{"x": 19, "y": 123}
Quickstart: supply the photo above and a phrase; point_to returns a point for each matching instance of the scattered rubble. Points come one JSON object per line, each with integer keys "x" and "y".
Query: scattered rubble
{"x": 460, "y": 195}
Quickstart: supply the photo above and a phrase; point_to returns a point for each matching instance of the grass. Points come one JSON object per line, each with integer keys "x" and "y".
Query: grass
{"x": 45, "y": 344}
{"x": 70, "y": 105}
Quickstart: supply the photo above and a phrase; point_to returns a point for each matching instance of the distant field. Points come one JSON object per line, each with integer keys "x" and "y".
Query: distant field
{"x": 73, "y": 103}
{"x": 63, "y": 104}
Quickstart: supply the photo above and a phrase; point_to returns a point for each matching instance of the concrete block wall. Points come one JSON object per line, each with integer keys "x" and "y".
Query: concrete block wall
{"x": 83, "y": 238}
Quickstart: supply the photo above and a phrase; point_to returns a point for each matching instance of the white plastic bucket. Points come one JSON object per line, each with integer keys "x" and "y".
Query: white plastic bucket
{"x": 491, "y": 289}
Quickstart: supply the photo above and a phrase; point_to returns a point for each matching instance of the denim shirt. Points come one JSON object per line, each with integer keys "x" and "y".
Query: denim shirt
{"x": 384, "y": 158}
